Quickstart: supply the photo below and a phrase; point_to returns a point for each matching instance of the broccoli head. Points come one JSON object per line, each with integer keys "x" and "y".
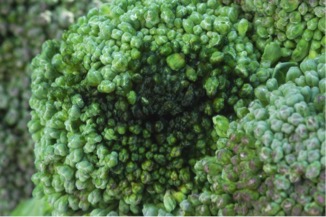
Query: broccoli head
{"x": 271, "y": 161}
{"x": 122, "y": 105}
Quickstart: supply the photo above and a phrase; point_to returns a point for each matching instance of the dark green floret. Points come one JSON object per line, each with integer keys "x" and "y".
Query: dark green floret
{"x": 123, "y": 103}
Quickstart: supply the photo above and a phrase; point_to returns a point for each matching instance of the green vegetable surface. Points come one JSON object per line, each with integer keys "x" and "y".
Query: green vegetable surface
{"x": 162, "y": 107}
{"x": 32, "y": 207}
{"x": 123, "y": 104}
{"x": 298, "y": 27}
{"x": 273, "y": 160}
{"x": 24, "y": 26}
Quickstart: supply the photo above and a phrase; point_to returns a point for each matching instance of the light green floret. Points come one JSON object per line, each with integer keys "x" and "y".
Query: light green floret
{"x": 176, "y": 61}
{"x": 286, "y": 123}
{"x": 297, "y": 27}
{"x": 290, "y": 138}
{"x": 123, "y": 103}
{"x": 272, "y": 160}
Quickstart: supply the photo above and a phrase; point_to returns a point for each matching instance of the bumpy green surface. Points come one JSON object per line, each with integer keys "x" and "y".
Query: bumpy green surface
{"x": 142, "y": 108}
{"x": 297, "y": 27}
{"x": 273, "y": 161}
{"x": 24, "y": 26}
{"x": 123, "y": 104}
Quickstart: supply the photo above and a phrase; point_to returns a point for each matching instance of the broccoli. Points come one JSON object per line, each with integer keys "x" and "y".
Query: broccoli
{"x": 122, "y": 105}
{"x": 24, "y": 26}
{"x": 272, "y": 161}
{"x": 164, "y": 107}
{"x": 295, "y": 28}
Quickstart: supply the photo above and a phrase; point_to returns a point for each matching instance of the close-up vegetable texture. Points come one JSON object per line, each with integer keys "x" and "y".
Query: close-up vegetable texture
{"x": 162, "y": 107}
{"x": 24, "y": 26}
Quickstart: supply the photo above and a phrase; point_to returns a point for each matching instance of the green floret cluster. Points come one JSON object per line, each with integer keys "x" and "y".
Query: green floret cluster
{"x": 272, "y": 161}
{"x": 24, "y": 26}
{"x": 296, "y": 27}
{"x": 290, "y": 134}
{"x": 163, "y": 107}
{"x": 123, "y": 104}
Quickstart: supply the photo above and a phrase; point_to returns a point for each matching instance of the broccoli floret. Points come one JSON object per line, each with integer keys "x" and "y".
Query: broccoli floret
{"x": 194, "y": 205}
{"x": 123, "y": 103}
{"x": 24, "y": 25}
{"x": 272, "y": 160}
{"x": 290, "y": 29}
{"x": 290, "y": 141}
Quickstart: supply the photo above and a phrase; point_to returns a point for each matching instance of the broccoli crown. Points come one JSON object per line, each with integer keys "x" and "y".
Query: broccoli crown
{"x": 24, "y": 25}
{"x": 295, "y": 28}
{"x": 123, "y": 103}
{"x": 289, "y": 127}
{"x": 285, "y": 128}
{"x": 271, "y": 161}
